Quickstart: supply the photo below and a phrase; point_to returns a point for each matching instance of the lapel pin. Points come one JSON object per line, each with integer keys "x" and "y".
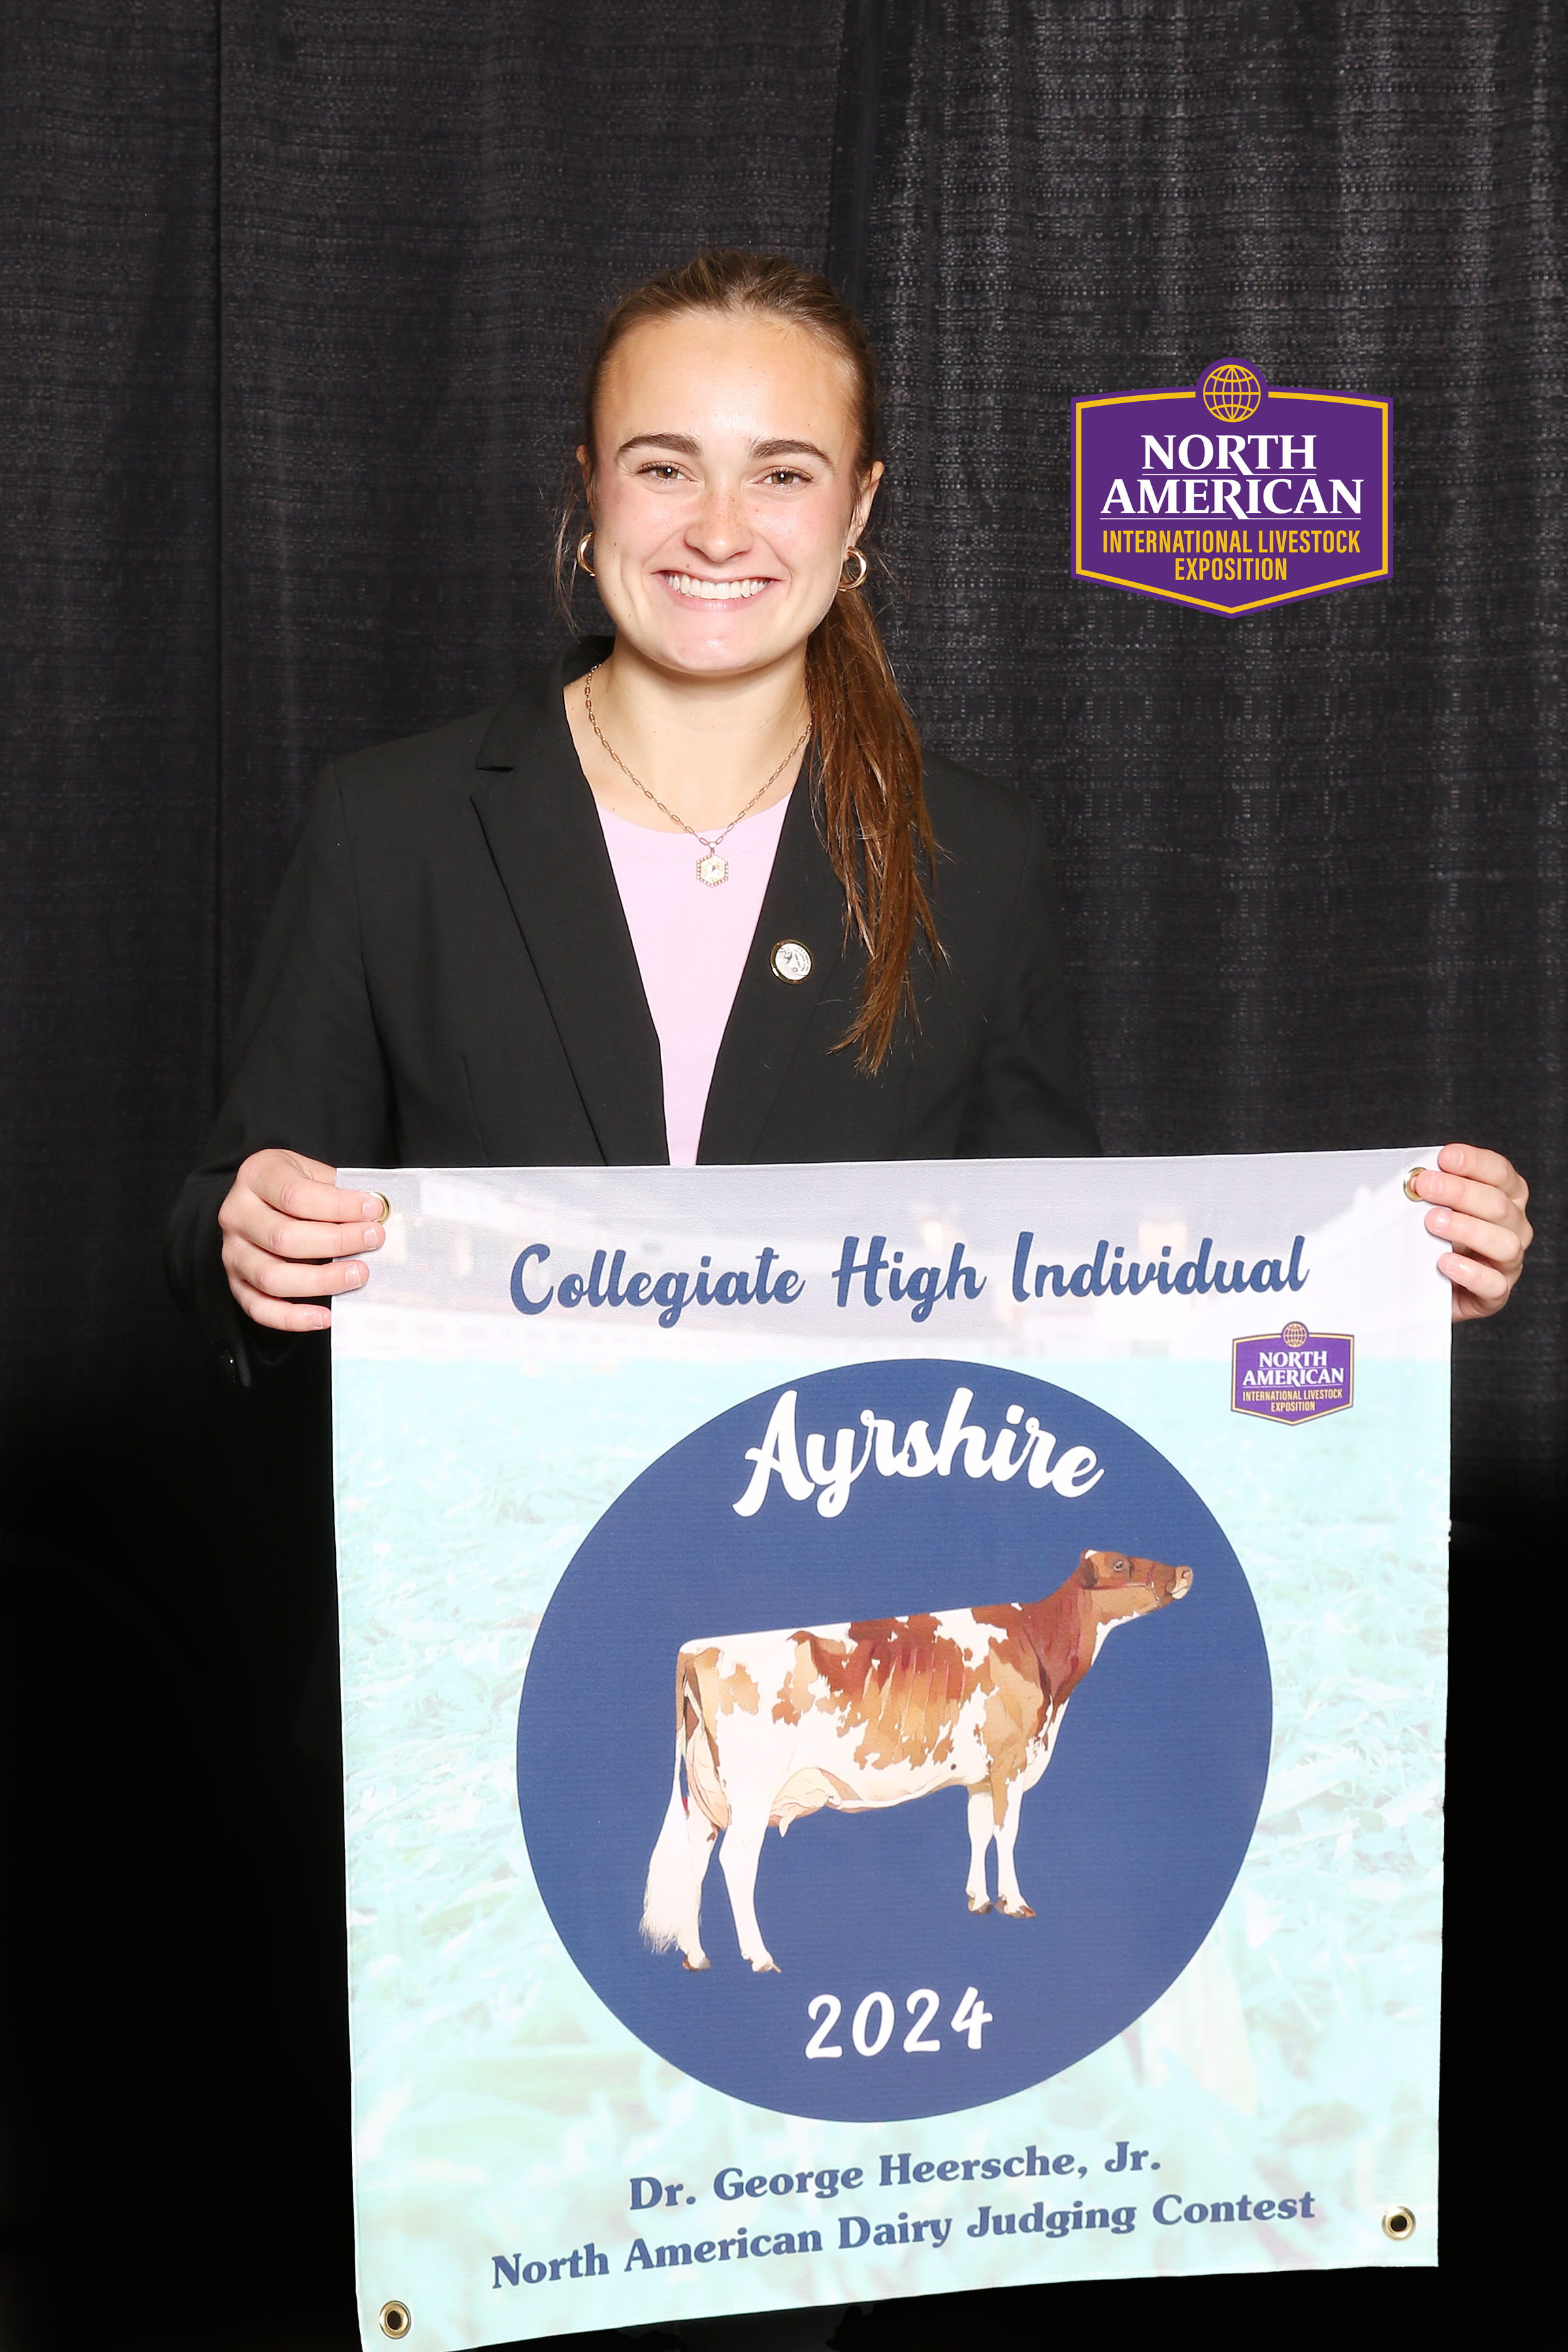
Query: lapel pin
{"x": 792, "y": 961}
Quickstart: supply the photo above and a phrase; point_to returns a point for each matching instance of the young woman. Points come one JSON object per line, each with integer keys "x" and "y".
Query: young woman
{"x": 695, "y": 894}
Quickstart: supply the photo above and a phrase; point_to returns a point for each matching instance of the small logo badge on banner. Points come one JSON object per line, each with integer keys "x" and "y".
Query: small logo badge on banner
{"x": 1293, "y": 1375}
{"x": 1232, "y": 493}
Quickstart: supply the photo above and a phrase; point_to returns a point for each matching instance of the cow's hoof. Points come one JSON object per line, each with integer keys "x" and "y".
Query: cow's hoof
{"x": 1015, "y": 1911}
{"x": 984, "y": 1905}
{"x": 762, "y": 1968}
{"x": 696, "y": 1967}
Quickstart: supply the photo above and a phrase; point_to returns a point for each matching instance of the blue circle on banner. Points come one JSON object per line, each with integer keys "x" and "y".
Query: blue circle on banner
{"x": 1126, "y": 1847}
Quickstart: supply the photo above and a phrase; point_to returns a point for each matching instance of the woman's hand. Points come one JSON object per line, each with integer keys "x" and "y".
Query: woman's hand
{"x": 290, "y": 1234}
{"x": 1481, "y": 1200}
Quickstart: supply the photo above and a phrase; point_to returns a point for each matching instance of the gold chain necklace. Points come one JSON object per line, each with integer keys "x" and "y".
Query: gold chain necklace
{"x": 711, "y": 868}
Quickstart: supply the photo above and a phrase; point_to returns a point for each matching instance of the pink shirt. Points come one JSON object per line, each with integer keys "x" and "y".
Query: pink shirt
{"x": 692, "y": 943}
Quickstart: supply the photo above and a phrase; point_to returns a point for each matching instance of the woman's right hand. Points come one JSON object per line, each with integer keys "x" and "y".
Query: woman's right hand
{"x": 290, "y": 1234}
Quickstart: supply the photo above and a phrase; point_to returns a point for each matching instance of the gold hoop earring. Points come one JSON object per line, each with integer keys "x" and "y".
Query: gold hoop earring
{"x": 583, "y": 564}
{"x": 854, "y": 556}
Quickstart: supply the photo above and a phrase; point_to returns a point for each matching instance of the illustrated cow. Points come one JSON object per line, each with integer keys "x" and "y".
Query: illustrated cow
{"x": 772, "y": 1725}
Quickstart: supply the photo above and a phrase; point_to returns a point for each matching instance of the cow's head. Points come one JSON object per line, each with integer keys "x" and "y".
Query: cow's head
{"x": 1126, "y": 1587}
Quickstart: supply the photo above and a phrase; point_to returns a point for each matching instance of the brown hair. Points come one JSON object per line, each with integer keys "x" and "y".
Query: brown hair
{"x": 868, "y": 756}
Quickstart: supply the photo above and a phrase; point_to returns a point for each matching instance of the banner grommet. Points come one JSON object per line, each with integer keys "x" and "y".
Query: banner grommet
{"x": 1399, "y": 2224}
{"x": 1410, "y": 1191}
{"x": 396, "y": 2320}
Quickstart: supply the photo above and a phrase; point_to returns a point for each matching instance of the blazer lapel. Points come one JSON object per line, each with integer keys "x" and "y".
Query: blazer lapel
{"x": 769, "y": 1016}
{"x": 547, "y": 845}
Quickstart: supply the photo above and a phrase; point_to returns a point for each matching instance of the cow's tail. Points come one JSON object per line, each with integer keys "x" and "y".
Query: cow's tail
{"x": 669, "y": 1910}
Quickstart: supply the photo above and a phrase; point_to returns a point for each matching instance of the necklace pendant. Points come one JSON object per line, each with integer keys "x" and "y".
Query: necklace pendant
{"x": 712, "y": 869}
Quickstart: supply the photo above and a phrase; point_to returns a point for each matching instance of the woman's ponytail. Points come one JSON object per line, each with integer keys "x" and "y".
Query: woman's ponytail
{"x": 874, "y": 816}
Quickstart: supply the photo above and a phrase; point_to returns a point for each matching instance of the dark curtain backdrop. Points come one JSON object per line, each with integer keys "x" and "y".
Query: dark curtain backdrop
{"x": 1313, "y": 859}
{"x": 293, "y": 302}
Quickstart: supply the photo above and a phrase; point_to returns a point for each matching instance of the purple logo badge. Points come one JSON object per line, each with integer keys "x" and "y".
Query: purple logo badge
{"x": 1294, "y": 1376}
{"x": 1231, "y": 495}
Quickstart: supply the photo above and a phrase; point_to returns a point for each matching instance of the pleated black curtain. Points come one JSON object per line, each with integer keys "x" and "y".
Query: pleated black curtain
{"x": 1314, "y": 858}
{"x": 293, "y": 300}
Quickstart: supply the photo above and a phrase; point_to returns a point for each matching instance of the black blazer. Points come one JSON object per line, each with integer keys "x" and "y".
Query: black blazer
{"x": 448, "y": 980}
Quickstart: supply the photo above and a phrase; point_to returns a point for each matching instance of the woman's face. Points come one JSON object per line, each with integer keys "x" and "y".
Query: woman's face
{"x": 725, "y": 494}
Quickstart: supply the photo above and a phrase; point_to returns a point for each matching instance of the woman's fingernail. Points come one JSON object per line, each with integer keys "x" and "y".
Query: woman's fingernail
{"x": 355, "y": 1276}
{"x": 373, "y": 1237}
{"x": 1438, "y": 1222}
{"x": 373, "y": 1205}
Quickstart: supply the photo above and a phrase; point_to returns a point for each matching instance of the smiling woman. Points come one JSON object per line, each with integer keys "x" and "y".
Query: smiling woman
{"x": 725, "y": 547}
{"x": 693, "y": 892}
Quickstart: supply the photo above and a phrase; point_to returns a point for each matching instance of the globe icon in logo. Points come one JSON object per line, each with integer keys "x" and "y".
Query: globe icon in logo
{"x": 1294, "y": 1334}
{"x": 1231, "y": 392}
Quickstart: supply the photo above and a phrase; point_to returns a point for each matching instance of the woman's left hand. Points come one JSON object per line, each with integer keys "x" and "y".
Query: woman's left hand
{"x": 1478, "y": 1209}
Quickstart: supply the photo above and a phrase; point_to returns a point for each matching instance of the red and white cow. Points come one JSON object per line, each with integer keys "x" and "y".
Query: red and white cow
{"x": 772, "y": 1725}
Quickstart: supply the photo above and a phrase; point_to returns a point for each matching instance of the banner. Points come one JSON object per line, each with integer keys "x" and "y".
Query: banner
{"x": 769, "y": 1883}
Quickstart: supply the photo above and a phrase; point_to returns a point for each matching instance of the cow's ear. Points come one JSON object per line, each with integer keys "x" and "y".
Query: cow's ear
{"x": 1088, "y": 1571}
